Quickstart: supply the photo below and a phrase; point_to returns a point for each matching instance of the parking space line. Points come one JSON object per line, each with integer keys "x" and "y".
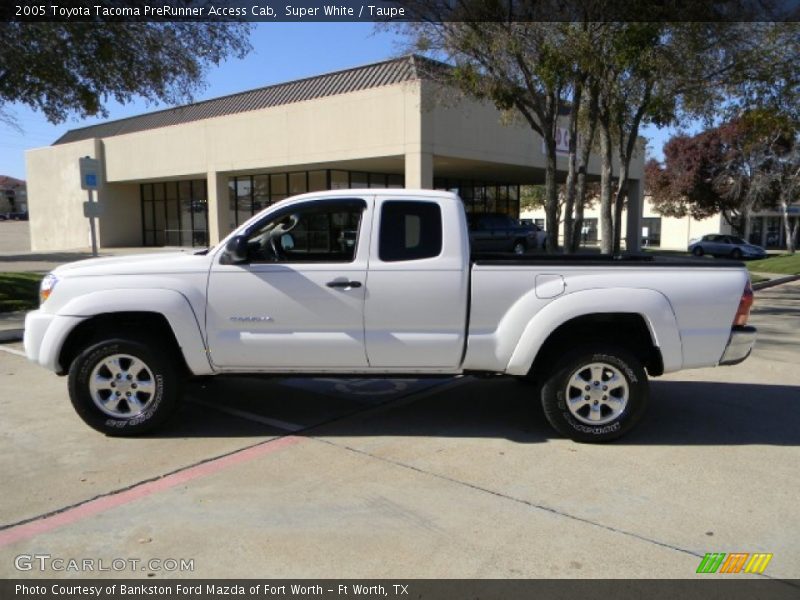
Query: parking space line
{"x": 243, "y": 414}
{"x": 68, "y": 515}
{"x": 48, "y": 522}
{"x": 13, "y": 351}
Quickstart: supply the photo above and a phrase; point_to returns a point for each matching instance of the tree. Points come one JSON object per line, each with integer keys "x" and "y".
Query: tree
{"x": 746, "y": 163}
{"x": 519, "y": 66}
{"x": 74, "y": 68}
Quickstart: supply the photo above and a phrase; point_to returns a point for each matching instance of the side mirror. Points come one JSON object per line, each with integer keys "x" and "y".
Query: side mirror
{"x": 236, "y": 250}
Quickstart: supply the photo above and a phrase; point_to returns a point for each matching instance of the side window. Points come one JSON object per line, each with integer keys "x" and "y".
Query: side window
{"x": 410, "y": 231}
{"x": 319, "y": 232}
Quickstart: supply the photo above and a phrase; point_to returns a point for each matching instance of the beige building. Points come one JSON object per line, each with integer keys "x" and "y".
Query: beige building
{"x": 188, "y": 175}
{"x": 673, "y": 233}
{"x": 668, "y": 233}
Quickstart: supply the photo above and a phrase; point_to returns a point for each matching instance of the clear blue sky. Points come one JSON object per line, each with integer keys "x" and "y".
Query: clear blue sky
{"x": 281, "y": 52}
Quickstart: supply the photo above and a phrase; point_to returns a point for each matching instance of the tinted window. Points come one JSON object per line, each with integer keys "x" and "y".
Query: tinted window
{"x": 410, "y": 231}
{"x": 317, "y": 232}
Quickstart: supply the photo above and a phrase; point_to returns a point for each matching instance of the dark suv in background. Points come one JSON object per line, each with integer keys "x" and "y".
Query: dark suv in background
{"x": 496, "y": 232}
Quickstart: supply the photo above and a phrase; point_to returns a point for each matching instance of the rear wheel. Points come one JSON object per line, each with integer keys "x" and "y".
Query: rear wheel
{"x": 124, "y": 386}
{"x": 595, "y": 394}
{"x": 736, "y": 254}
{"x": 698, "y": 251}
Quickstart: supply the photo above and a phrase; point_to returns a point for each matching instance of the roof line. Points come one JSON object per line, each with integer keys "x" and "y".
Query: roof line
{"x": 412, "y": 58}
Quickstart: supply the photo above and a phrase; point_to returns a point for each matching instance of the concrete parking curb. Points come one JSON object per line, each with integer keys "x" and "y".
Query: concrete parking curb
{"x": 773, "y": 282}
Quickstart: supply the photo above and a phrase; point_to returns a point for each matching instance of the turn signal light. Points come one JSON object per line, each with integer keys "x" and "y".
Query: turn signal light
{"x": 746, "y": 302}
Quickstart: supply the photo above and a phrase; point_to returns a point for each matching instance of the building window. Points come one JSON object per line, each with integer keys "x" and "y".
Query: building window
{"x": 317, "y": 181}
{"x": 377, "y": 180}
{"x": 279, "y": 187}
{"x": 174, "y": 213}
{"x": 244, "y": 199}
{"x": 298, "y": 183}
{"x": 340, "y": 180}
{"x": 251, "y": 194}
{"x": 395, "y": 181}
{"x": 589, "y": 231}
{"x": 774, "y": 232}
{"x": 651, "y": 232}
{"x": 260, "y": 192}
{"x": 359, "y": 180}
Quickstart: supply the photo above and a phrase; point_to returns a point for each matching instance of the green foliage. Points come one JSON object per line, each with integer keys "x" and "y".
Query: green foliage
{"x": 532, "y": 197}
{"x": 65, "y": 68}
{"x": 787, "y": 264}
{"x": 19, "y": 291}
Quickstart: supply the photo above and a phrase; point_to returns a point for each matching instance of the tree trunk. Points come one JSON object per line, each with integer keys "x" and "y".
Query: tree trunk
{"x": 606, "y": 222}
{"x": 746, "y": 224}
{"x": 583, "y": 166}
{"x": 580, "y": 202}
{"x": 570, "y": 191}
{"x": 788, "y": 231}
{"x": 619, "y": 203}
{"x": 551, "y": 193}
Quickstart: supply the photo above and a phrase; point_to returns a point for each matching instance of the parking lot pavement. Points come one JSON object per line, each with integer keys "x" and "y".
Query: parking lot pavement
{"x": 427, "y": 478}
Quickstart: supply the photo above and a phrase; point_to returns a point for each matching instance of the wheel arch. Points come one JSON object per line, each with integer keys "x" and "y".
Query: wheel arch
{"x": 169, "y": 314}
{"x": 641, "y": 320}
{"x": 627, "y": 330}
{"x": 115, "y": 324}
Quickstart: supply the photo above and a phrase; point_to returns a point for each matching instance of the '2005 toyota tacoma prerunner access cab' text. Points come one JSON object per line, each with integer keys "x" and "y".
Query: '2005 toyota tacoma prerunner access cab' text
{"x": 382, "y": 282}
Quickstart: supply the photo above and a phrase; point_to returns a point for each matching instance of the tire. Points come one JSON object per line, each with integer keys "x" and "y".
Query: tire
{"x": 698, "y": 251}
{"x": 136, "y": 369}
{"x": 519, "y": 247}
{"x": 621, "y": 405}
{"x": 736, "y": 254}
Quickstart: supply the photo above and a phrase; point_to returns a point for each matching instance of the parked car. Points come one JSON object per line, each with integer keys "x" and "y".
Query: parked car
{"x": 16, "y": 216}
{"x": 406, "y": 299}
{"x": 730, "y": 246}
{"x": 495, "y": 232}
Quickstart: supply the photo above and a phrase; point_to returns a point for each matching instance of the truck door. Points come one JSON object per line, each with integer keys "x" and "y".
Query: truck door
{"x": 297, "y": 301}
{"x": 415, "y": 309}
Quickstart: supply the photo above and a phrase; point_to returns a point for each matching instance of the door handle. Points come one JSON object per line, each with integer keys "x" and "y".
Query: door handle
{"x": 344, "y": 284}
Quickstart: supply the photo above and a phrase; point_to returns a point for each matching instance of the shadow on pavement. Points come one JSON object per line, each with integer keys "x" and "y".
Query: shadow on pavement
{"x": 680, "y": 413}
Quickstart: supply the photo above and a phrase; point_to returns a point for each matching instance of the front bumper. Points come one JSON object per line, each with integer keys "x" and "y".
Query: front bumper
{"x": 739, "y": 346}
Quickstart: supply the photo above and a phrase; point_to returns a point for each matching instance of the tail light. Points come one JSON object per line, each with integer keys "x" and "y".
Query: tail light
{"x": 743, "y": 312}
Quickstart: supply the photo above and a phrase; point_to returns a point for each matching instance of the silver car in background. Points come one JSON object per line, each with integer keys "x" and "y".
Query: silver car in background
{"x": 728, "y": 246}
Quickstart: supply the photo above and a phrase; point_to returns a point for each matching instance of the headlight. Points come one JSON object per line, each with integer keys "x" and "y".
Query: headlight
{"x": 46, "y": 288}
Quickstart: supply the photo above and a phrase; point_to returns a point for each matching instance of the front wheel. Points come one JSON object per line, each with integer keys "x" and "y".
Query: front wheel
{"x": 519, "y": 248}
{"x": 698, "y": 251}
{"x": 124, "y": 386}
{"x": 595, "y": 394}
{"x": 736, "y": 254}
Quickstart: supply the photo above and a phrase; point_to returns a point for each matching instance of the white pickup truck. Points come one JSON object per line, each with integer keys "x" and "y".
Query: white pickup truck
{"x": 381, "y": 282}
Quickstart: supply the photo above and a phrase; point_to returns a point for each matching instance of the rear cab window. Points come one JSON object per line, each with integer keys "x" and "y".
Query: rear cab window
{"x": 410, "y": 230}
